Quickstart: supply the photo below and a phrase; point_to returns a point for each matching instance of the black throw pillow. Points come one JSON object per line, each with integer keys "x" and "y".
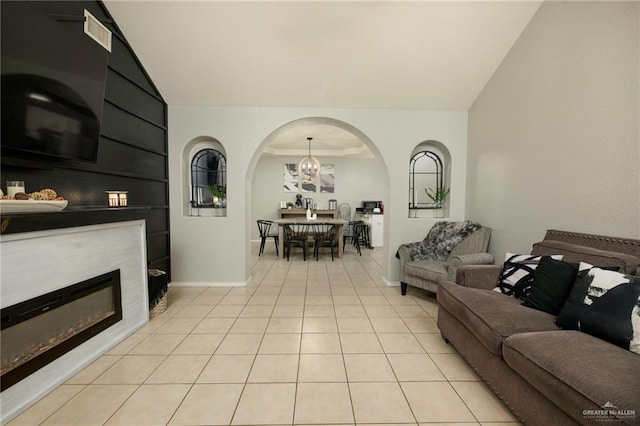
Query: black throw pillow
{"x": 604, "y": 304}
{"x": 552, "y": 283}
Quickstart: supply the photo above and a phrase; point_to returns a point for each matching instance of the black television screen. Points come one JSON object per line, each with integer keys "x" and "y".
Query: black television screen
{"x": 53, "y": 83}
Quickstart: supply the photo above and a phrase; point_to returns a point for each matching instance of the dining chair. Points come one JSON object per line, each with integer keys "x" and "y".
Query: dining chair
{"x": 264, "y": 226}
{"x": 324, "y": 235}
{"x": 362, "y": 232}
{"x": 358, "y": 228}
{"x": 296, "y": 234}
{"x": 344, "y": 213}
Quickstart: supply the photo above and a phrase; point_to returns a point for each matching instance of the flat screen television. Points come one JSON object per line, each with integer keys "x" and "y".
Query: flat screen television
{"x": 52, "y": 89}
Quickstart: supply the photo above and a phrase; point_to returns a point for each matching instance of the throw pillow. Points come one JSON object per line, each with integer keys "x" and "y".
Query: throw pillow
{"x": 605, "y": 304}
{"x": 552, "y": 283}
{"x": 517, "y": 274}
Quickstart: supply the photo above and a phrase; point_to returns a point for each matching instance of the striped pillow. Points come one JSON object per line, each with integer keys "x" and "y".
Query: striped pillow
{"x": 517, "y": 274}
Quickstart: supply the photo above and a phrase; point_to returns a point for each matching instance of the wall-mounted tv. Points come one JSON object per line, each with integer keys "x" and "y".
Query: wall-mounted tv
{"x": 52, "y": 89}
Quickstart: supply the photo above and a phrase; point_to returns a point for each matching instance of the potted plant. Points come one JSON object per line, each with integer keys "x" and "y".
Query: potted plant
{"x": 219, "y": 195}
{"x": 437, "y": 195}
{"x": 289, "y": 205}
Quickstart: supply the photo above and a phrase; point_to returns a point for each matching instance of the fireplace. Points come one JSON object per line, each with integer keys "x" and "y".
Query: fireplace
{"x": 38, "y": 331}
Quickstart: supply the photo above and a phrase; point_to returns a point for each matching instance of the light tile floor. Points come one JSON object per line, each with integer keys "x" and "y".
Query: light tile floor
{"x": 305, "y": 343}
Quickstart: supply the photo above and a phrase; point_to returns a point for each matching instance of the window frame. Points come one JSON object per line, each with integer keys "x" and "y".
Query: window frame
{"x": 439, "y": 176}
{"x": 201, "y": 196}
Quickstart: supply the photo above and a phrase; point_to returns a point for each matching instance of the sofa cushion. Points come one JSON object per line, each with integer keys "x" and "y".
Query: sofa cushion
{"x": 477, "y": 242}
{"x": 576, "y": 371}
{"x": 604, "y": 304}
{"x": 552, "y": 283}
{"x": 427, "y": 269}
{"x": 491, "y": 316}
{"x": 575, "y": 253}
{"x": 517, "y": 274}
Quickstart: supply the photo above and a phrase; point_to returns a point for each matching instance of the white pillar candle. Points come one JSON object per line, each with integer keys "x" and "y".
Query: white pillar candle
{"x": 14, "y": 187}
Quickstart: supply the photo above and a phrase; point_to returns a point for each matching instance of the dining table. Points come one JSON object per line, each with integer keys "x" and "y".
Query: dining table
{"x": 340, "y": 223}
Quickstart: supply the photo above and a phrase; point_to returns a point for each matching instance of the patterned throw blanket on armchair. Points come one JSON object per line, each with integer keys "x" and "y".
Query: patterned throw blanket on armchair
{"x": 440, "y": 240}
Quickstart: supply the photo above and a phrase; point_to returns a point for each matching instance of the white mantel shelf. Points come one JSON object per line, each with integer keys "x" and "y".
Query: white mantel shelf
{"x": 37, "y": 262}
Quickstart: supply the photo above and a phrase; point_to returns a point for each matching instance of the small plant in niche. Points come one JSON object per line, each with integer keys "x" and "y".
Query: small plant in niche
{"x": 437, "y": 195}
{"x": 219, "y": 194}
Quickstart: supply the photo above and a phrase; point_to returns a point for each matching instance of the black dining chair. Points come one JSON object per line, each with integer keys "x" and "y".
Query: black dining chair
{"x": 264, "y": 226}
{"x": 296, "y": 234}
{"x": 357, "y": 228}
{"x": 363, "y": 237}
{"x": 324, "y": 235}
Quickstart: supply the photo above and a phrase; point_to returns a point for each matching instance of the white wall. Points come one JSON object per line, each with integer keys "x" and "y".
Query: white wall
{"x": 215, "y": 250}
{"x": 554, "y": 135}
{"x": 356, "y": 179}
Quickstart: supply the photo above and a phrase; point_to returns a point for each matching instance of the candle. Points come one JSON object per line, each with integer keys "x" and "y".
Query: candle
{"x": 122, "y": 199}
{"x": 112, "y": 197}
{"x": 117, "y": 198}
{"x": 14, "y": 187}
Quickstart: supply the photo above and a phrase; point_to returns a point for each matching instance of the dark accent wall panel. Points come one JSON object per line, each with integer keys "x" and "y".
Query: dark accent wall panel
{"x": 118, "y": 124}
{"x": 132, "y": 152}
{"x": 125, "y": 64}
{"x": 157, "y": 221}
{"x": 158, "y": 247}
{"x": 160, "y": 264}
{"x": 143, "y": 105}
{"x": 139, "y": 161}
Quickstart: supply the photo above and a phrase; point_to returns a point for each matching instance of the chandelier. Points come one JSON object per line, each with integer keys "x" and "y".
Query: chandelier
{"x": 309, "y": 166}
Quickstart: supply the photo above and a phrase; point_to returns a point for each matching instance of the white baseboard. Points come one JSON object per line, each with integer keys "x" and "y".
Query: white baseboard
{"x": 207, "y": 284}
{"x": 390, "y": 283}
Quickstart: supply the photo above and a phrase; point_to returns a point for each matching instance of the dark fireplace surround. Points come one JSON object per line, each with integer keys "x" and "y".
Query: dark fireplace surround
{"x": 38, "y": 331}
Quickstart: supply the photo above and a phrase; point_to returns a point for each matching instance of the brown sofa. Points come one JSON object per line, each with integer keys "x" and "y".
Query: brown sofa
{"x": 545, "y": 375}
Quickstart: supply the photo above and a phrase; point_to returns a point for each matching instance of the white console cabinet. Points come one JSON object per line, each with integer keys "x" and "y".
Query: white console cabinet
{"x": 376, "y": 228}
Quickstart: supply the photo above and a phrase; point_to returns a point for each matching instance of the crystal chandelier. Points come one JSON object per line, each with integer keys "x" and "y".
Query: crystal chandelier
{"x": 309, "y": 166}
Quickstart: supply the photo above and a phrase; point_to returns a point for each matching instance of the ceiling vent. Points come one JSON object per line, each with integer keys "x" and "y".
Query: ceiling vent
{"x": 94, "y": 29}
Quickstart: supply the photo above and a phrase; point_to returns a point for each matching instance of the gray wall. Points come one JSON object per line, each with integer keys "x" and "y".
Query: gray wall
{"x": 554, "y": 136}
{"x": 356, "y": 179}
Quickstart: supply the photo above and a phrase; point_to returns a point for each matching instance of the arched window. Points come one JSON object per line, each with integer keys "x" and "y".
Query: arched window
{"x": 426, "y": 181}
{"x": 209, "y": 179}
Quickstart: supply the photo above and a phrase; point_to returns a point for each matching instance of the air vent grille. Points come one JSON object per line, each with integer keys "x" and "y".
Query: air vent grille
{"x": 94, "y": 29}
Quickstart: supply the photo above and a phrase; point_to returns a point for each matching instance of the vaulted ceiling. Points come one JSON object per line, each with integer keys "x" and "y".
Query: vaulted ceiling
{"x": 425, "y": 55}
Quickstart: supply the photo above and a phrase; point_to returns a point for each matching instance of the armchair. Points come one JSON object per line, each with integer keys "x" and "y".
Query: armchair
{"x": 447, "y": 246}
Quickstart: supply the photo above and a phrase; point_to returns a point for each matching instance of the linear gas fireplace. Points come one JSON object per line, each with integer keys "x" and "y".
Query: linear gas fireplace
{"x": 38, "y": 331}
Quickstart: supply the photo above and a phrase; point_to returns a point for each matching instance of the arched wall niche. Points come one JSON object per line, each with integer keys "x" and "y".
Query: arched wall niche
{"x": 192, "y": 147}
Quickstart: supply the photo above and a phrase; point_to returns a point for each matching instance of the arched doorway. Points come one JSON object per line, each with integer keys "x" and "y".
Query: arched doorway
{"x": 360, "y": 170}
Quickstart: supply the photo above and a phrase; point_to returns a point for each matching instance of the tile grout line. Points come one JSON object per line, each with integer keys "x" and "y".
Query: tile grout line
{"x": 360, "y": 284}
{"x": 244, "y": 386}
